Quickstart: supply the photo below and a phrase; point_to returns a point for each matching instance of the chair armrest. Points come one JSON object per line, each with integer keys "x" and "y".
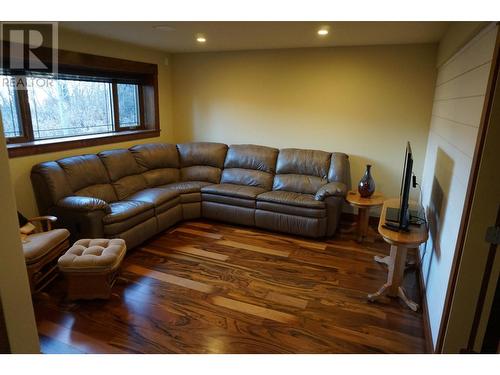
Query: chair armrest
{"x": 331, "y": 189}
{"x": 48, "y": 220}
{"x": 84, "y": 204}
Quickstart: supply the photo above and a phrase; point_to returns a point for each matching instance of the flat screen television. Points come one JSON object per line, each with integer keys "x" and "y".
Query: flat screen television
{"x": 399, "y": 218}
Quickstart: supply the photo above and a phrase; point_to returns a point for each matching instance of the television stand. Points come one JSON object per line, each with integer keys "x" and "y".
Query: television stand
{"x": 400, "y": 243}
{"x": 394, "y": 227}
{"x": 417, "y": 216}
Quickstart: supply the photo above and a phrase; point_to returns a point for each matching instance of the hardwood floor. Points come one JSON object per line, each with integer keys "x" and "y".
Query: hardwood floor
{"x": 206, "y": 287}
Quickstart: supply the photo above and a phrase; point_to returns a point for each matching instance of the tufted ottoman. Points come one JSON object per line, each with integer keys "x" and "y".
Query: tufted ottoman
{"x": 91, "y": 266}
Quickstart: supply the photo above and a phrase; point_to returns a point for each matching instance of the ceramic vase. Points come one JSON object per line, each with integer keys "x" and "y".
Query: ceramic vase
{"x": 366, "y": 186}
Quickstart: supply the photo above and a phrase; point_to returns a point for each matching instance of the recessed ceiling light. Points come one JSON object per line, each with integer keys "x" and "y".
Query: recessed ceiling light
{"x": 323, "y": 31}
{"x": 201, "y": 39}
{"x": 163, "y": 28}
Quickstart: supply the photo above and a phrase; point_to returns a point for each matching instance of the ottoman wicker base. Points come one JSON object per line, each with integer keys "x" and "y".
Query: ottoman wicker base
{"x": 90, "y": 267}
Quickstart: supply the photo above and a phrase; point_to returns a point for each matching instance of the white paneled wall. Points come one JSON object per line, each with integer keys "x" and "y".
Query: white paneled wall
{"x": 456, "y": 115}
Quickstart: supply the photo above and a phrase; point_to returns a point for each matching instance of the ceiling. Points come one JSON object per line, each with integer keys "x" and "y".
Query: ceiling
{"x": 230, "y": 36}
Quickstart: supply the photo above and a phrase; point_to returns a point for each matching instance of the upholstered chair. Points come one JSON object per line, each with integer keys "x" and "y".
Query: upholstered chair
{"x": 42, "y": 248}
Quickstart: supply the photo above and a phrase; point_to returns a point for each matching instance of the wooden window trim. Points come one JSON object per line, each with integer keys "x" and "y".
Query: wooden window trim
{"x": 116, "y": 106}
{"x": 70, "y": 143}
{"x": 145, "y": 75}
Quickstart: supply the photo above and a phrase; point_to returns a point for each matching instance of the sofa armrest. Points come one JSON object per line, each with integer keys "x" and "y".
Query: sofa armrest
{"x": 331, "y": 189}
{"x": 84, "y": 204}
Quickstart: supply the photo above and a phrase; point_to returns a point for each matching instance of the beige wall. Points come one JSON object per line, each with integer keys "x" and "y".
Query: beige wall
{"x": 365, "y": 101}
{"x": 458, "y": 103}
{"x": 20, "y": 167}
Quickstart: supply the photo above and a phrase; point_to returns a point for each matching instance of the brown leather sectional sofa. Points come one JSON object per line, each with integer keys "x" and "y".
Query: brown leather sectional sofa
{"x": 138, "y": 192}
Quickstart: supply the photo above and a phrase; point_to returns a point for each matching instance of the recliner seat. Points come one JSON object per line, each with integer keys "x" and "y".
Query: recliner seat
{"x": 248, "y": 172}
{"x": 138, "y": 192}
{"x": 291, "y": 203}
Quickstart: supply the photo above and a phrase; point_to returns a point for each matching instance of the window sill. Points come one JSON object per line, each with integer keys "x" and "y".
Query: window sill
{"x": 71, "y": 143}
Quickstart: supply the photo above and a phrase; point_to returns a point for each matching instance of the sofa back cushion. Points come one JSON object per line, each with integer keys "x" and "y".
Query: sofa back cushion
{"x": 301, "y": 171}
{"x": 201, "y": 161}
{"x": 87, "y": 176}
{"x": 250, "y": 165}
{"x": 339, "y": 168}
{"x": 158, "y": 161}
{"x": 124, "y": 172}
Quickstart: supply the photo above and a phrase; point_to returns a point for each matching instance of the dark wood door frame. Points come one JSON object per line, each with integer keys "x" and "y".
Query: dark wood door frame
{"x": 471, "y": 188}
{"x": 482, "y": 292}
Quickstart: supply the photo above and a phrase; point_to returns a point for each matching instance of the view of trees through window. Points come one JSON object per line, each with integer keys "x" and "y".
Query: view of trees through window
{"x": 65, "y": 108}
{"x": 9, "y": 108}
{"x": 128, "y": 105}
{"x": 69, "y": 107}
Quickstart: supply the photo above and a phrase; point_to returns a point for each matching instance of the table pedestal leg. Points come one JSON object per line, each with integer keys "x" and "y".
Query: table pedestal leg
{"x": 382, "y": 291}
{"x": 387, "y": 259}
{"x": 396, "y": 269}
{"x": 383, "y": 260}
{"x": 396, "y": 266}
{"x": 401, "y": 294}
{"x": 363, "y": 216}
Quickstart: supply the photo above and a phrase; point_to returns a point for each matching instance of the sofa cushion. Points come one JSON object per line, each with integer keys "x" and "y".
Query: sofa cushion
{"x": 190, "y": 191}
{"x": 124, "y": 210}
{"x": 161, "y": 176}
{"x": 155, "y": 196}
{"x": 250, "y": 165}
{"x": 159, "y": 162}
{"x": 186, "y": 187}
{"x": 156, "y": 155}
{"x": 308, "y": 162}
{"x": 202, "y": 153}
{"x": 128, "y": 185}
{"x": 301, "y": 171}
{"x": 88, "y": 177}
{"x": 119, "y": 163}
{"x": 298, "y": 183}
{"x": 291, "y": 198}
{"x": 124, "y": 172}
{"x": 84, "y": 170}
{"x": 259, "y": 158}
{"x": 237, "y": 191}
{"x": 190, "y": 197}
{"x": 232, "y": 201}
{"x": 247, "y": 177}
{"x": 125, "y": 215}
{"x": 201, "y": 161}
{"x": 201, "y": 173}
{"x": 162, "y": 199}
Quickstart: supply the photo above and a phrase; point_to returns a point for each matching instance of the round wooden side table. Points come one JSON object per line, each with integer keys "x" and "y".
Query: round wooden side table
{"x": 363, "y": 205}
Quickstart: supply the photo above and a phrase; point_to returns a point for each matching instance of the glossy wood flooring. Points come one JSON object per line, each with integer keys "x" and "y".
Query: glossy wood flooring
{"x": 214, "y": 288}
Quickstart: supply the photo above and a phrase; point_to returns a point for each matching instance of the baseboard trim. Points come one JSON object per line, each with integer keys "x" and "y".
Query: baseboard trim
{"x": 429, "y": 346}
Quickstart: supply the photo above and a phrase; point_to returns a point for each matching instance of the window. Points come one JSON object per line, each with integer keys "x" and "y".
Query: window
{"x": 9, "y": 109}
{"x": 66, "y": 108}
{"x": 83, "y": 105}
{"x": 128, "y": 105}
